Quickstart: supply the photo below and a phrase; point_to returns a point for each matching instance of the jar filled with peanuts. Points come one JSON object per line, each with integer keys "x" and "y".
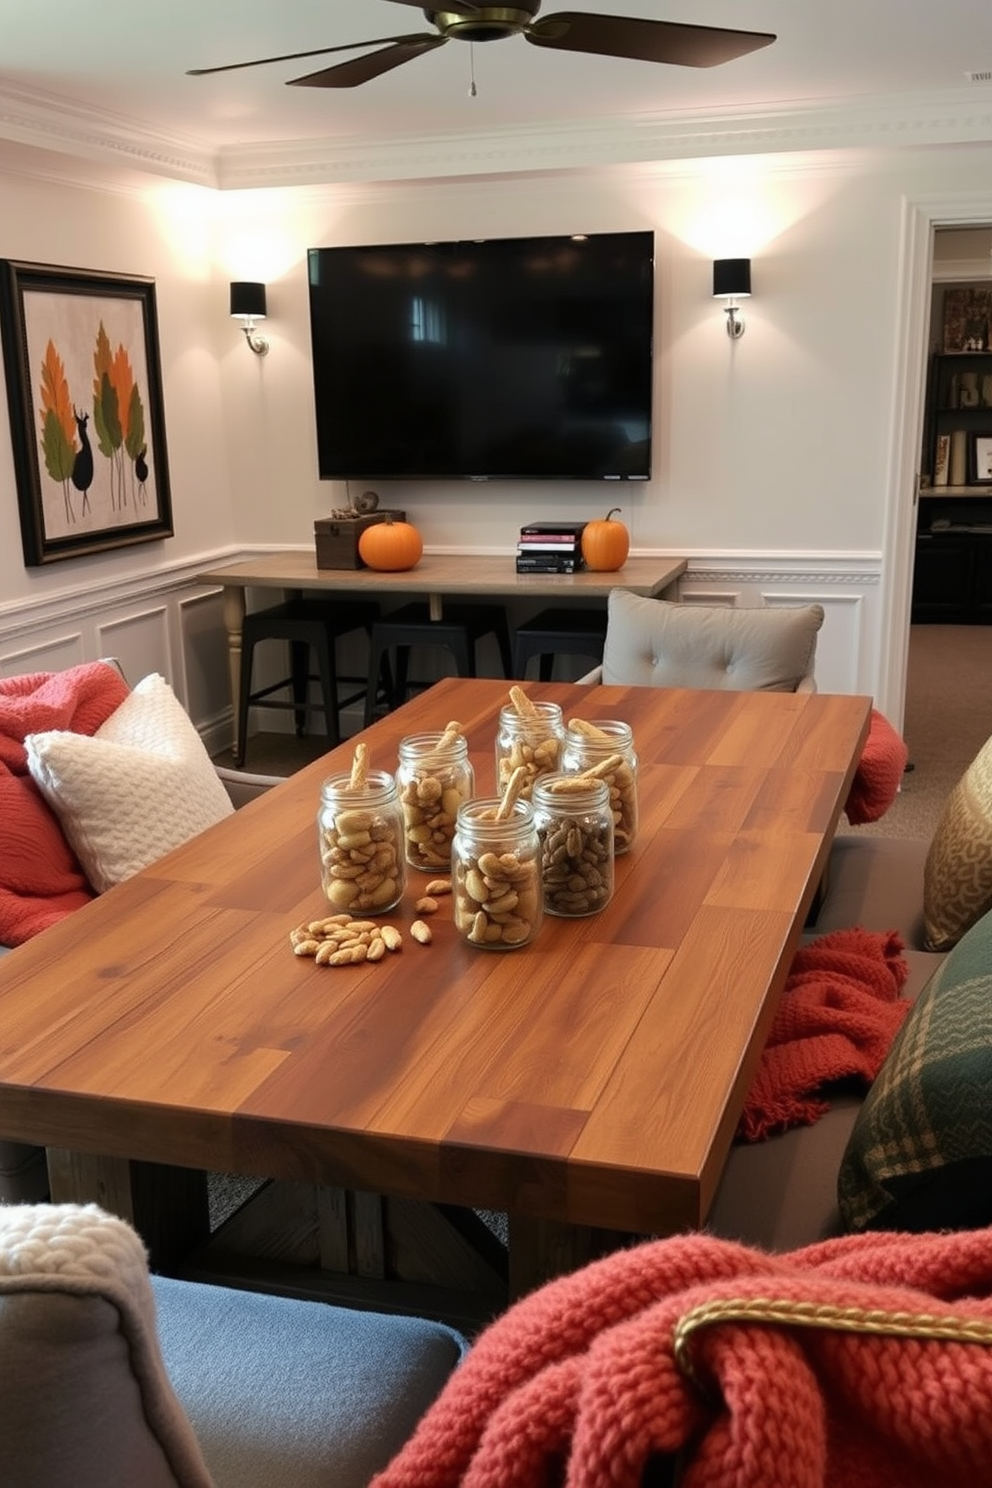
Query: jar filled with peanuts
{"x": 435, "y": 777}
{"x": 495, "y": 874}
{"x": 605, "y": 747}
{"x": 531, "y": 738}
{"x": 360, "y": 835}
{"x": 575, "y": 828}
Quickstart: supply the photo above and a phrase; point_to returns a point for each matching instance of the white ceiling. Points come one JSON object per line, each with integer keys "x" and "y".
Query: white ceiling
{"x": 88, "y": 73}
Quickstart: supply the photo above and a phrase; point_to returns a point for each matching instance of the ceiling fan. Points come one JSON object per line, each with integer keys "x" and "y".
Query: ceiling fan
{"x": 568, "y": 31}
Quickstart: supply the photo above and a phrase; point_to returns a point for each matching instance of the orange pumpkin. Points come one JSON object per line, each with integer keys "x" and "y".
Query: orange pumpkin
{"x": 390, "y": 546}
{"x": 605, "y": 544}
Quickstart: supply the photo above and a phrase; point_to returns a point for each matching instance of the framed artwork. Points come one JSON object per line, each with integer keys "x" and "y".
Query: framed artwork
{"x": 84, "y": 390}
{"x": 980, "y": 466}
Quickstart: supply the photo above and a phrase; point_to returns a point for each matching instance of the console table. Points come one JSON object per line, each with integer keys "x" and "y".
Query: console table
{"x": 436, "y": 575}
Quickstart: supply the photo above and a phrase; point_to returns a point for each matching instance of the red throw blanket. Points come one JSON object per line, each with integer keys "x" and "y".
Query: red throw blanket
{"x": 581, "y": 1383}
{"x": 838, "y": 1016}
{"x": 40, "y": 878}
{"x": 879, "y": 773}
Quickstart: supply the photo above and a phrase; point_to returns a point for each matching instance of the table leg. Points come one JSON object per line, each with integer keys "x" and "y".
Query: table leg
{"x": 541, "y": 1249}
{"x": 166, "y": 1205}
{"x": 234, "y": 619}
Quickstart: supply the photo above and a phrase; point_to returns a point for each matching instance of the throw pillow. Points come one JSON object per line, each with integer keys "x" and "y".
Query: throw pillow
{"x": 957, "y": 876}
{"x": 654, "y": 643}
{"x": 920, "y": 1154}
{"x": 140, "y": 786}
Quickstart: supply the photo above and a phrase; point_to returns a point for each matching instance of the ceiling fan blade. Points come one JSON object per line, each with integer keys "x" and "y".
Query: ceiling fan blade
{"x": 469, "y": 7}
{"x": 364, "y": 69}
{"x": 350, "y": 46}
{"x": 644, "y": 41}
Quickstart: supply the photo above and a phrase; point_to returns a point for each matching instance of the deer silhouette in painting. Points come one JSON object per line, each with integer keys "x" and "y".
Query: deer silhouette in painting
{"x": 82, "y": 466}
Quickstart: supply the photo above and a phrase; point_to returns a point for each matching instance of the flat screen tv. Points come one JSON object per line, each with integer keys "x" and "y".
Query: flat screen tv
{"x": 504, "y": 359}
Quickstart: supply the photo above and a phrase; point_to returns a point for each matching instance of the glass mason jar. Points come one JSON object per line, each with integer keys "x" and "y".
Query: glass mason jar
{"x": 532, "y": 740}
{"x": 435, "y": 777}
{"x": 360, "y": 835}
{"x": 590, "y": 745}
{"x": 575, "y": 827}
{"x": 495, "y": 875}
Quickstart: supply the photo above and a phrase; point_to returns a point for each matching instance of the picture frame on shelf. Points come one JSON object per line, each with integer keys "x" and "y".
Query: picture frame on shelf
{"x": 84, "y": 393}
{"x": 942, "y": 460}
{"x": 967, "y": 320}
{"x": 980, "y": 460}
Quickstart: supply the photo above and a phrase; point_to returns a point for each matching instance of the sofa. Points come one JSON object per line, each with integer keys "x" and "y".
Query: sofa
{"x": 96, "y": 779}
{"x": 914, "y": 1151}
{"x": 112, "y": 1378}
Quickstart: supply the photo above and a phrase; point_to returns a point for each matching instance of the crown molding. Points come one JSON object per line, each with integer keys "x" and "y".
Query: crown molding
{"x": 48, "y": 123}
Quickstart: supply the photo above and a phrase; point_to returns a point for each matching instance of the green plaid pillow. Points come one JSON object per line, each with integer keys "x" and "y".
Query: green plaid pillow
{"x": 920, "y": 1155}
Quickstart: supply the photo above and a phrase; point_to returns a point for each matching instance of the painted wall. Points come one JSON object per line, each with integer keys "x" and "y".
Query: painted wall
{"x": 776, "y": 448}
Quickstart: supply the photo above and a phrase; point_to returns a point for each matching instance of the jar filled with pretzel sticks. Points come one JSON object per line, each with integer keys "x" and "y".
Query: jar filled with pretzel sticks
{"x": 575, "y": 828}
{"x": 435, "y": 777}
{"x": 604, "y": 747}
{"x": 529, "y": 737}
{"x": 495, "y": 873}
{"x": 360, "y": 836}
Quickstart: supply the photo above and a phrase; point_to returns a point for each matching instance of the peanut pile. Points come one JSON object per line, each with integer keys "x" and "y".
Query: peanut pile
{"x": 339, "y": 940}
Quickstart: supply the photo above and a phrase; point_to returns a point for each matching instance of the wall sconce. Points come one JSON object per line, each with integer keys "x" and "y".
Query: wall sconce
{"x": 732, "y": 282}
{"x": 248, "y": 305}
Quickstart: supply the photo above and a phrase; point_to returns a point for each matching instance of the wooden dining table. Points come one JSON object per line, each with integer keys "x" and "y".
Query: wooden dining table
{"x": 586, "y": 1085}
{"x": 437, "y": 577}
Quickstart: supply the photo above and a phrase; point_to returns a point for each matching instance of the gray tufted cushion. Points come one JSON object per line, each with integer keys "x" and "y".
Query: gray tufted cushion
{"x": 653, "y": 643}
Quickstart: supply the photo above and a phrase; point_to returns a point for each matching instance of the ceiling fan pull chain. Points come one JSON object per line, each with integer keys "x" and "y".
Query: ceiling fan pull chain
{"x": 472, "y": 90}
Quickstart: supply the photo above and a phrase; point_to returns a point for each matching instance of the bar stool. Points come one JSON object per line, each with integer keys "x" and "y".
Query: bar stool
{"x": 563, "y": 632}
{"x": 310, "y": 626}
{"x": 458, "y": 632}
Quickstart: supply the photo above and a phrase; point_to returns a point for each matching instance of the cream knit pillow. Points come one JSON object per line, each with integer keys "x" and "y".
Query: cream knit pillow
{"x": 140, "y": 786}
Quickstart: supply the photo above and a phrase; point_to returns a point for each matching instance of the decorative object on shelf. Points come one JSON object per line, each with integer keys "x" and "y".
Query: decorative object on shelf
{"x": 367, "y": 502}
{"x": 605, "y": 544}
{"x": 967, "y": 319}
{"x": 968, "y": 390}
{"x": 390, "y": 546}
{"x": 248, "y": 305}
{"x": 941, "y": 459}
{"x": 550, "y": 547}
{"x": 958, "y": 467}
{"x": 84, "y": 390}
{"x": 980, "y": 459}
{"x": 732, "y": 282}
{"x": 336, "y": 537}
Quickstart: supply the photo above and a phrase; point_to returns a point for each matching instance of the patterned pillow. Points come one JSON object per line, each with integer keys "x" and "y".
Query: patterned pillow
{"x": 920, "y": 1154}
{"x": 957, "y": 878}
{"x": 140, "y": 786}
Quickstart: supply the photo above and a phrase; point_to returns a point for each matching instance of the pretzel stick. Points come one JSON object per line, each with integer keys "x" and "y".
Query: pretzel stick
{"x": 514, "y": 786}
{"x": 588, "y": 730}
{"x": 601, "y": 768}
{"x": 522, "y": 704}
{"x": 360, "y": 768}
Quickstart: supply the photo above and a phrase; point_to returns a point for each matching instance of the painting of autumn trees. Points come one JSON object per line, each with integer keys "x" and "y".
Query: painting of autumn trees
{"x": 85, "y": 396}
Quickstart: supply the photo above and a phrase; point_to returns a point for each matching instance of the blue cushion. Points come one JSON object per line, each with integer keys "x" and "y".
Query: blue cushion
{"x": 284, "y": 1393}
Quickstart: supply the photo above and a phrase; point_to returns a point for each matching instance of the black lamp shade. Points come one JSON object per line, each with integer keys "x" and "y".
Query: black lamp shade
{"x": 731, "y": 276}
{"x": 248, "y": 300}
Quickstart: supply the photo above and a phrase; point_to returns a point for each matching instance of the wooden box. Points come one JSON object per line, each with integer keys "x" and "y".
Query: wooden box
{"x": 336, "y": 538}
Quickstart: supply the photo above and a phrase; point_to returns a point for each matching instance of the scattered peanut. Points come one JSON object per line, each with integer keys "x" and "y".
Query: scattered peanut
{"x": 426, "y": 905}
{"x": 421, "y": 932}
{"x": 438, "y": 886}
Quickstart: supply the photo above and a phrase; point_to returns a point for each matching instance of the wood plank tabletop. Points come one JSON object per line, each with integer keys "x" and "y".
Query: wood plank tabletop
{"x": 593, "y": 1077}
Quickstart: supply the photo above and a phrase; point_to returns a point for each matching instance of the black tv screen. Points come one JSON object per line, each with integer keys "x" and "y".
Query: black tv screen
{"x": 506, "y": 359}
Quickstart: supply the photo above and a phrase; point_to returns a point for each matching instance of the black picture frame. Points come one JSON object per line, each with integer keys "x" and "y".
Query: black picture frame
{"x": 84, "y": 392}
{"x": 980, "y": 460}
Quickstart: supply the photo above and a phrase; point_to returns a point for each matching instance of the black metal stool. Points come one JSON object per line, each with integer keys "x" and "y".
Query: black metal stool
{"x": 309, "y": 626}
{"x": 458, "y": 632}
{"x": 554, "y": 633}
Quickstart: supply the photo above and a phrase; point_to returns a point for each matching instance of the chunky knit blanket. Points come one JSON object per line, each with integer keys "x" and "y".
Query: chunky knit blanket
{"x": 708, "y": 1350}
{"x": 839, "y": 1013}
{"x": 879, "y": 773}
{"x": 40, "y": 877}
